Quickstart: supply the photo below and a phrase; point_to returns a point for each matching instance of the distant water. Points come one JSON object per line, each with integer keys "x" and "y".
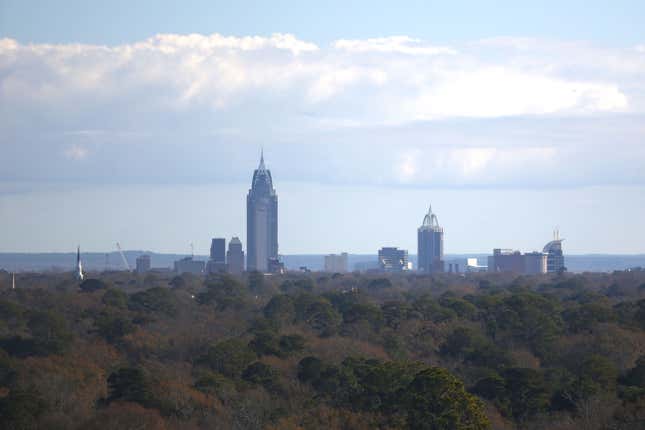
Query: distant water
{"x": 22, "y": 262}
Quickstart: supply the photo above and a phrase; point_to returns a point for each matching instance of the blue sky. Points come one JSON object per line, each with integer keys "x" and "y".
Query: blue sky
{"x": 122, "y": 21}
{"x": 142, "y": 123}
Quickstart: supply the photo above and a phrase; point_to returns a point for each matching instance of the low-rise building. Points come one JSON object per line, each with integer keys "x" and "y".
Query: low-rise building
{"x": 335, "y": 263}
{"x": 143, "y": 263}
{"x": 392, "y": 259}
{"x": 189, "y": 265}
{"x": 507, "y": 260}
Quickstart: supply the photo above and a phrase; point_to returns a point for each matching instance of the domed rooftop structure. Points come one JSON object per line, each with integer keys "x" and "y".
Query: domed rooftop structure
{"x": 430, "y": 221}
{"x": 262, "y": 182}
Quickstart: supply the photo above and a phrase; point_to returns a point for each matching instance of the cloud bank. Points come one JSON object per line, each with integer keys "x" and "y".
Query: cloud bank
{"x": 500, "y": 112}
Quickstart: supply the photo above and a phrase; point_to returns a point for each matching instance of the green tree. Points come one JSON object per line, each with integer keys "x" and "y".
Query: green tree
{"x": 230, "y": 357}
{"x": 113, "y": 327}
{"x": 636, "y": 376}
{"x": 437, "y": 400}
{"x": 281, "y": 308}
{"x": 155, "y": 299}
{"x": 90, "y": 285}
{"x": 526, "y": 392}
{"x": 309, "y": 369}
{"x": 131, "y": 385}
{"x": 21, "y": 409}
{"x": 115, "y": 298}
{"x": 262, "y": 374}
{"x": 50, "y": 332}
{"x": 322, "y": 316}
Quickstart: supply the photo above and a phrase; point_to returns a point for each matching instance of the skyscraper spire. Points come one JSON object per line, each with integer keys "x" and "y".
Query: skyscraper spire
{"x": 261, "y": 166}
{"x": 79, "y": 265}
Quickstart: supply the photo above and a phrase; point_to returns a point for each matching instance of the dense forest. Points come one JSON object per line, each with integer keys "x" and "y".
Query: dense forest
{"x": 323, "y": 351}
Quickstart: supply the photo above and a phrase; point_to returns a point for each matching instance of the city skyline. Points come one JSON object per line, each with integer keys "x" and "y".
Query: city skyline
{"x": 512, "y": 130}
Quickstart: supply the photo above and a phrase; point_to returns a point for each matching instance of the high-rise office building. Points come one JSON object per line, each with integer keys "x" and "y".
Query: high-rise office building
{"x": 430, "y": 244}
{"x": 235, "y": 256}
{"x": 336, "y": 263}
{"x": 393, "y": 259}
{"x": 143, "y": 263}
{"x": 555, "y": 257}
{"x": 261, "y": 221}
{"x": 218, "y": 249}
{"x": 217, "y": 261}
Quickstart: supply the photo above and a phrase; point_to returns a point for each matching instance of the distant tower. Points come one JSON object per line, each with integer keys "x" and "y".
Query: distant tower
{"x": 430, "y": 244}
{"x": 261, "y": 220}
{"x": 79, "y": 266}
{"x": 143, "y": 264}
{"x": 217, "y": 261}
{"x": 218, "y": 250}
{"x": 235, "y": 256}
{"x": 13, "y": 281}
{"x": 555, "y": 257}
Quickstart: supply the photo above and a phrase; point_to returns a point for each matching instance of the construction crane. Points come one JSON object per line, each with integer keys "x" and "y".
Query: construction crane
{"x": 125, "y": 261}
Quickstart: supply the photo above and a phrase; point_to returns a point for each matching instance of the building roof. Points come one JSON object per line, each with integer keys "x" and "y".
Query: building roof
{"x": 554, "y": 245}
{"x": 430, "y": 221}
{"x": 262, "y": 180}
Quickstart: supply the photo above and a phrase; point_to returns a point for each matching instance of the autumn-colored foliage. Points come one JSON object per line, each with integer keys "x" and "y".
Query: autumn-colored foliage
{"x": 318, "y": 351}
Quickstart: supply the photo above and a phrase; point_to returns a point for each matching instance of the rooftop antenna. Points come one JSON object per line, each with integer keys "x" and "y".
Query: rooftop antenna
{"x": 125, "y": 261}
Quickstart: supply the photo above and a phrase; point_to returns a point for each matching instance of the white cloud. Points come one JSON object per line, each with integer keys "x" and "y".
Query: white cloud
{"x": 393, "y": 44}
{"x": 177, "y": 98}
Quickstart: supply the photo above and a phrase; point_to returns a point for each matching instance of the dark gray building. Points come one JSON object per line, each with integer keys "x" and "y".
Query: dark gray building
{"x": 261, "y": 220}
{"x": 218, "y": 250}
{"x": 430, "y": 244}
{"x": 393, "y": 259}
{"x": 235, "y": 256}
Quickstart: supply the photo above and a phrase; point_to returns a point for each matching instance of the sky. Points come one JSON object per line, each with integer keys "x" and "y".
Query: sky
{"x": 142, "y": 123}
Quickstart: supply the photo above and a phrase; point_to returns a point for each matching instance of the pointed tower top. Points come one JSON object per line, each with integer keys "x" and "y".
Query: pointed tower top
{"x": 261, "y": 166}
{"x": 430, "y": 220}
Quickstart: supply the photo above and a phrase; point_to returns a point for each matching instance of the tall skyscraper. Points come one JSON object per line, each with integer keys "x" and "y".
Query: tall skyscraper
{"x": 555, "y": 256}
{"x": 235, "y": 256}
{"x": 430, "y": 244}
{"x": 261, "y": 220}
{"x": 218, "y": 250}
